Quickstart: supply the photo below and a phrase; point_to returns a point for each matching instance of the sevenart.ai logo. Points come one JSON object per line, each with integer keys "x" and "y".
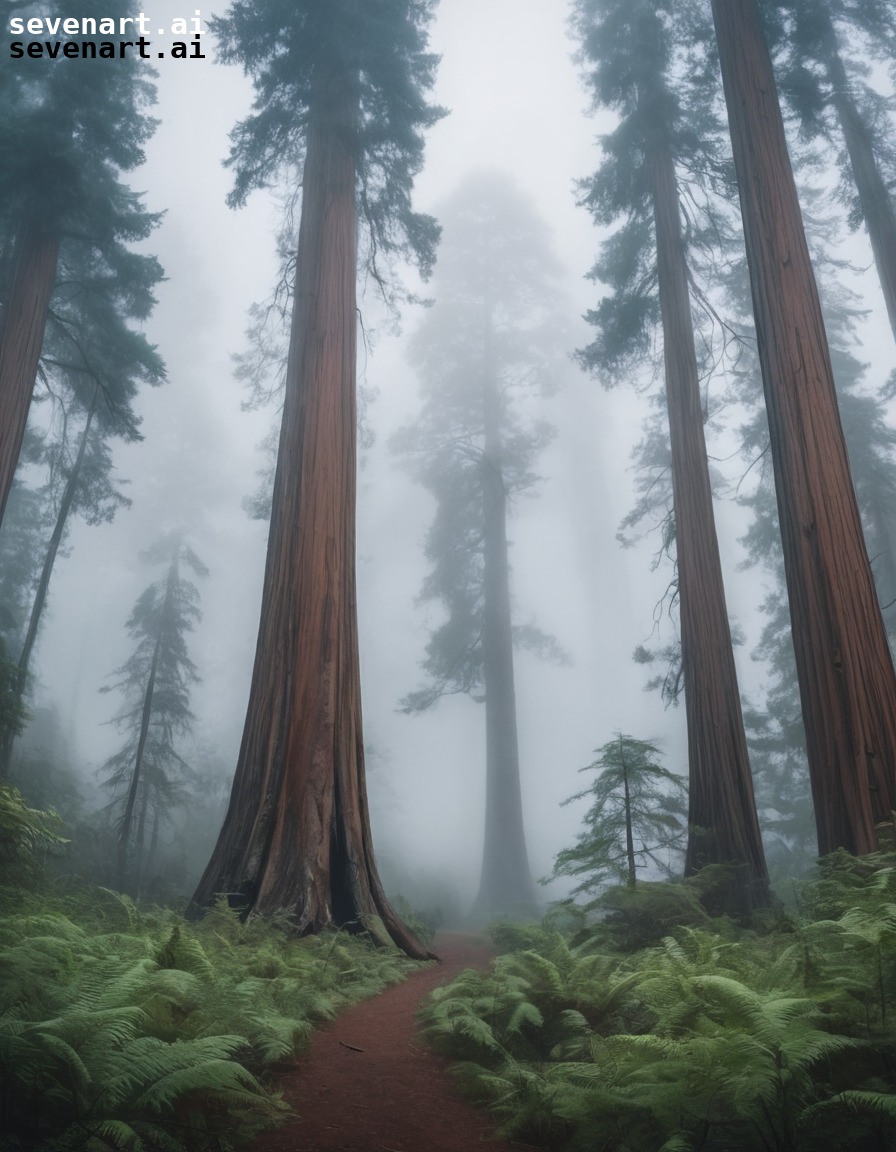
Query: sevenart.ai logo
{"x": 104, "y": 38}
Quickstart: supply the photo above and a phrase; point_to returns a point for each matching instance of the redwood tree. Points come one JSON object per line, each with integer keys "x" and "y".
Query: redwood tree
{"x": 66, "y": 135}
{"x": 630, "y": 51}
{"x": 847, "y": 681}
{"x": 341, "y": 93}
{"x": 24, "y": 318}
{"x": 490, "y": 338}
{"x": 828, "y": 91}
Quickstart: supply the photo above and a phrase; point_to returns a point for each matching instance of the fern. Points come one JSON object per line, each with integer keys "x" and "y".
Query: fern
{"x": 133, "y": 1030}
{"x": 715, "y": 1038}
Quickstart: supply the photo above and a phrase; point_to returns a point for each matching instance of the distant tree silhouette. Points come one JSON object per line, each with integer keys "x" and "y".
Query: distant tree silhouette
{"x": 490, "y": 337}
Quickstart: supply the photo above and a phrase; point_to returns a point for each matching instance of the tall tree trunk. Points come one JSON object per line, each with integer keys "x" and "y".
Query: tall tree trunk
{"x": 297, "y": 830}
{"x": 847, "y": 681}
{"x": 724, "y": 827}
{"x": 40, "y": 596}
{"x": 877, "y": 203}
{"x": 629, "y": 834}
{"x": 139, "y": 841}
{"x": 153, "y": 842}
{"x": 880, "y": 521}
{"x": 506, "y": 885}
{"x": 124, "y": 829}
{"x": 21, "y": 340}
{"x": 65, "y": 507}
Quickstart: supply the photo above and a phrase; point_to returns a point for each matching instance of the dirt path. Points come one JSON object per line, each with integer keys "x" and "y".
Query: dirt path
{"x": 395, "y": 1095}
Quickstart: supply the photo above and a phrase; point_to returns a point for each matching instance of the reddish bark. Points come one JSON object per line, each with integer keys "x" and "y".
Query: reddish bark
{"x": 721, "y": 805}
{"x": 847, "y": 681}
{"x": 21, "y": 339}
{"x": 297, "y": 832}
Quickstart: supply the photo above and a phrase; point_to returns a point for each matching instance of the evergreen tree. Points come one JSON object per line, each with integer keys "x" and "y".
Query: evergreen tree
{"x": 825, "y": 58}
{"x": 634, "y": 798}
{"x": 490, "y": 338}
{"x": 22, "y": 543}
{"x": 775, "y": 730}
{"x": 92, "y": 366}
{"x": 67, "y": 134}
{"x": 156, "y": 680}
{"x": 846, "y": 676}
{"x": 629, "y": 51}
{"x": 340, "y": 99}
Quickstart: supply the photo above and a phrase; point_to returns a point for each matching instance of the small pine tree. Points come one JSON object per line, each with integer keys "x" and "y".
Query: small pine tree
{"x": 635, "y": 800}
{"x": 155, "y": 680}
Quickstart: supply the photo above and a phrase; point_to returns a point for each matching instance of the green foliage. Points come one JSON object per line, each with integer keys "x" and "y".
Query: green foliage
{"x": 422, "y": 923}
{"x": 13, "y": 713}
{"x": 134, "y": 1030}
{"x": 716, "y": 1037}
{"x": 147, "y": 774}
{"x": 25, "y": 835}
{"x": 484, "y": 351}
{"x": 638, "y": 811}
{"x": 378, "y": 47}
{"x": 637, "y": 917}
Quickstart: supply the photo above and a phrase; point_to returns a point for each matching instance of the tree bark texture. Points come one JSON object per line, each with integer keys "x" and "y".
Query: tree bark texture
{"x": 846, "y": 677}
{"x": 297, "y": 834}
{"x": 21, "y": 339}
{"x": 724, "y": 827}
{"x": 505, "y": 885}
{"x": 877, "y": 204}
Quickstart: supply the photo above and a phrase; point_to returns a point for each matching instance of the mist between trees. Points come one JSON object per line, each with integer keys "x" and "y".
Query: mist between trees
{"x": 458, "y": 583}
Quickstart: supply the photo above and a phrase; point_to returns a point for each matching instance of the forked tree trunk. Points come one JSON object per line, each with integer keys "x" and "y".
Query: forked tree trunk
{"x": 505, "y": 886}
{"x": 846, "y": 676}
{"x": 877, "y": 203}
{"x": 724, "y": 827}
{"x": 21, "y": 339}
{"x": 297, "y": 831}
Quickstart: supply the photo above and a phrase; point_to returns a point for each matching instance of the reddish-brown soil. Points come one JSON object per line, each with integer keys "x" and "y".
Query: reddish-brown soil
{"x": 395, "y": 1094}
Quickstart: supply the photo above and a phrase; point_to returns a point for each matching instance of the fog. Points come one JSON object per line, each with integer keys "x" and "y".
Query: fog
{"x": 516, "y": 104}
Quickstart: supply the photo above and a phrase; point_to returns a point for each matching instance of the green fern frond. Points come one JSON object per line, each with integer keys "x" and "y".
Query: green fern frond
{"x": 542, "y": 974}
{"x": 205, "y": 1078}
{"x": 524, "y": 1013}
{"x": 881, "y": 1104}
{"x": 115, "y": 1134}
{"x": 119, "y": 903}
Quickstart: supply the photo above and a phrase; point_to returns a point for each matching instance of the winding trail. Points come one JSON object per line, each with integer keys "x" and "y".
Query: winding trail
{"x": 368, "y": 1082}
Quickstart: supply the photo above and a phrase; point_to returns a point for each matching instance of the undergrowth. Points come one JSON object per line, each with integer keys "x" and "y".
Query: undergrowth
{"x": 129, "y": 1029}
{"x": 717, "y": 1038}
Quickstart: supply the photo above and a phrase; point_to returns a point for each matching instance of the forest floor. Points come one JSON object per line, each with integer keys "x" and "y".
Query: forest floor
{"x": 369, "y": 1083}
